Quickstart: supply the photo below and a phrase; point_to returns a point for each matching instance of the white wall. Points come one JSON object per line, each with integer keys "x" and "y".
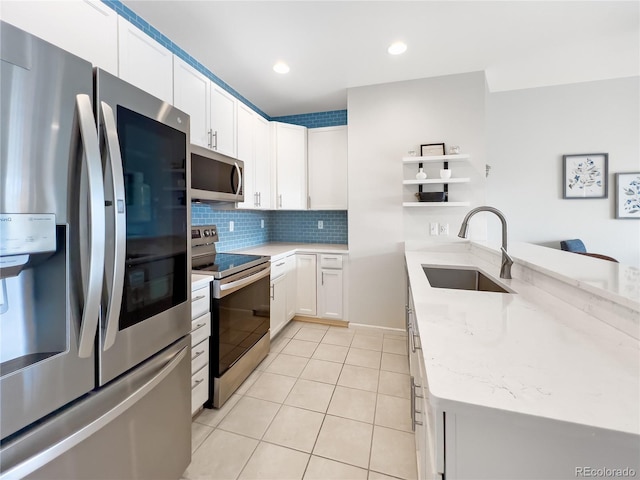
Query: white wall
{"x": 385, "y": 122}
{"x": 529, "y": 130}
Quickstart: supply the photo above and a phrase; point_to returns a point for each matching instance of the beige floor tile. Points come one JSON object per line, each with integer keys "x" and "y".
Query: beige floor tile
{"x": 290, "y": 330}
{"x": 301, "y": 348}
{"x": 331, "y": 353}
{"x": 361, "y": 378}
{"x": 321, "y": 371}
{"x": 324, "y": 469}
{"x": 294, "y": 428}
{"x": 264, "y": 364}
{"x": 221, "y": 456}
{"x": 250, "y": 380}
{"x": 367, "y": 342}
{"x": 336, "y": 337}
{"x": 397, "y": 334}
{"x": 363, "y": 358}
{"x": 272, "y": 387}
{"x": 199, "y": 433}
{"x": 310, "y": 395}
{"x": 344, "y": 440}
{"x": 367, "y": 330}
{"x": 393, "y": 412}
{"x": 275, "y": 462}
{"x": 278, "y": 343}
{"x": 316, "y": 325}
{"x": 393, "y": 453}
{"x": 250, "y": 417}
{"x": 213, "y": 416}
{"x": 380, "y": 476}
{"x": 394, "y": 344}
{"x": 394, "y": 363}
{"x": 354, "y": 404}
{"x": 290, "y": 365}
{"x": 396, "y": 384}
{"x": 309, "y": 334}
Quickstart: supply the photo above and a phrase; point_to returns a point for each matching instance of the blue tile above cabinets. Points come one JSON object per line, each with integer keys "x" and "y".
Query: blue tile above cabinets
{"x": 279, "y": 226}
{"x": 332, "y": 118}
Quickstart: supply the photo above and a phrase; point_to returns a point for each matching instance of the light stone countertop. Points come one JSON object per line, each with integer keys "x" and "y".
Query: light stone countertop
{"x": 278, "y": 250}
{"x": 529, "y": 352}
{"x": 199, "y": 281}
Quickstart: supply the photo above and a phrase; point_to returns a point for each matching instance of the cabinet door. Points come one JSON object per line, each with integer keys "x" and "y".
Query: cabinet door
{"x": 291, "y": 166}
{"x": 143, "y": 62}
{"x": 278, "y": 317}
{"x": 88, "y": 29}
{"x": 245, "y": 151}
{"x": 191, "y": 95}
{"x": 327, "y": 150}
{"x": 306, "y": 284}
{"x": 331, "y": 293}
{"x": 223, "y": 121}
{"x": 262, "y": 179}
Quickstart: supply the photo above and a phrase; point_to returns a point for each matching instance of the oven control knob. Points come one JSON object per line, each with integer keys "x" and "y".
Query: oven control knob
{"x": 207, "y": 233}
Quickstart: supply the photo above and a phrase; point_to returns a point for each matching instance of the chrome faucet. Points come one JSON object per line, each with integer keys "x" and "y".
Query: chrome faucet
{"x": 507, "y": 261}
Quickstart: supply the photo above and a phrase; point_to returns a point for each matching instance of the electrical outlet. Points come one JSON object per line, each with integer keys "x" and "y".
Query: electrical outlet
{"x": 261, "y": 223}
{"x": 444, "y": 229}
{"x": 433, "y": 228}
{"x": 231, "y": 226}
{"x": 320, "y": 224}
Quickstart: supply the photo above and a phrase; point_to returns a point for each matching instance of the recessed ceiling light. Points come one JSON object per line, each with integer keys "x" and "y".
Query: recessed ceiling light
{"x": 281, "y": 67}
{"x": 397, "y": 48}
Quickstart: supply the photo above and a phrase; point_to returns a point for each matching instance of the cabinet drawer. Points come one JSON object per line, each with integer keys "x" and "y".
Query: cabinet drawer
{"x": 278, "y": 268}
{"x": 331, "y": 261}
{"x": 200, "y": 329}
{"x": 199, "y": 356}
{"x": 199, "y": 389}
{"x": 200, "y": 301}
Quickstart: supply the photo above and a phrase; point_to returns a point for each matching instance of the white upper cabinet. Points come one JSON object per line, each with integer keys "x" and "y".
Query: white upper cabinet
{"x": 262, "y": 181}
{"x": 88, "y": 28}
{"x": 327, "y": 149}
{"x": 290, "y": 153}
{"x": 246, "y": 140}
{"x": 143, "y": 62}
{"x": 223, "y": 121}
{"x": 191, "y": 95}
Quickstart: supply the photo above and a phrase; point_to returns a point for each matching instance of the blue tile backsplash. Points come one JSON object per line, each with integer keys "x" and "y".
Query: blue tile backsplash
{"x": 333, "y": 118}
{"x": 279, "y": 226}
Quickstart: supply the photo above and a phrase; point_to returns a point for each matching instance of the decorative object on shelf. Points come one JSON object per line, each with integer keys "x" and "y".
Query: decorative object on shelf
{"x": 445, "y": 173}
{"x": 431, "y": 149}
{"x": 412, "y": 153}
{"x": 432, "y": 196}
{"x": 454, "y": 149}
{"x": 585, "y": 175}
{"x": 628, "y": 195}
{"x": 421, "y": 175}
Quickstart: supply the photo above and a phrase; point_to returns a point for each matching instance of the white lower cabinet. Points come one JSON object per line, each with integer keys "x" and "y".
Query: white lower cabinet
{"x": 306, "y": 284}
{"x": 290, "y": 285}
{"x": 200, "y": 333}
{"x": 278, "y": 304}
{"x": 330, "y": 287}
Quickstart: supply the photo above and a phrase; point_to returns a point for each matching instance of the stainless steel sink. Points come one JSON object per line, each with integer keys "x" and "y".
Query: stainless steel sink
{"x": 461, "y": 278}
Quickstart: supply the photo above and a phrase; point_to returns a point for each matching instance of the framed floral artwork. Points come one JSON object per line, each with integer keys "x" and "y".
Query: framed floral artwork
{"x": 585, "y": 175}
{"x": 628, "y": 195}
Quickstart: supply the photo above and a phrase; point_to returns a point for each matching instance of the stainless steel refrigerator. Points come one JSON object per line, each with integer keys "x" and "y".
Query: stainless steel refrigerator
{"x": 94, "y": 271}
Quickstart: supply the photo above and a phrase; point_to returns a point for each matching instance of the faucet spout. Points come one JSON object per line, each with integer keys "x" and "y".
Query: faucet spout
{"x": 507, "y": 261}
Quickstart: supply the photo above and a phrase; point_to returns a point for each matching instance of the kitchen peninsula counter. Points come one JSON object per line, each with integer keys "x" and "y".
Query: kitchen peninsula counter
{"x": 532, "y": 352}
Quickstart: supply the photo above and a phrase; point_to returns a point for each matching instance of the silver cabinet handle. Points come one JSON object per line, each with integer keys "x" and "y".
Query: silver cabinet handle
{"x": 198, "y": 354}
{"x": 199, "y": 297}
{"x": 199, "y": 381}
{"x": 279, "y": 264}
{"x": 91, "y": 261}
{"x": 259, "y": 199}
{"x": 273, "y": 292}
{"x": 114, "y": 267}
{"x": 198, "y": 325}
{"x": 255, "y": 200}
{"x": 414, "y": 410}
{"x": 210, "y": 135}
{"x": 214, "y": 135}
{"x": 280, "y": 200}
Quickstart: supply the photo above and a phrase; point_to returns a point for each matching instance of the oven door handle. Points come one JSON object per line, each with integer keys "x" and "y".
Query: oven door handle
{"x": 227, "y": 288}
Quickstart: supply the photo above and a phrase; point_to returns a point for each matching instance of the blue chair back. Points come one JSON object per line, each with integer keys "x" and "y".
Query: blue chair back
{"x": 574, "y": 245}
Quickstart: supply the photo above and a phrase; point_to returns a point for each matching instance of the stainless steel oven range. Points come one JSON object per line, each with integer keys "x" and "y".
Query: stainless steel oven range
{"x": 239, "y": 312}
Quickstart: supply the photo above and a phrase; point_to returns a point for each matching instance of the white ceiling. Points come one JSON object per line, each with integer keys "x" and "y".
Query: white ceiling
{"x": 334, "y": 45}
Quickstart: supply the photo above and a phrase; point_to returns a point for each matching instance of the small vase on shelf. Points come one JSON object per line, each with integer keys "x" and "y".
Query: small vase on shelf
{"x": 421, "y": 175}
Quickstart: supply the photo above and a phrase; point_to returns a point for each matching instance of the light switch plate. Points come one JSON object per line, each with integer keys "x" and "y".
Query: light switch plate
{"x": 231, "y": 226}
{"x": 444, "y": 229}
{"x": 320, "y": 224}
{"x": 433, "y": 228}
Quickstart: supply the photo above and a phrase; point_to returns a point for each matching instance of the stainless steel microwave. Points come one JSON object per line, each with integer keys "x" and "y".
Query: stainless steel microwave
{"x": 215, "y": 177}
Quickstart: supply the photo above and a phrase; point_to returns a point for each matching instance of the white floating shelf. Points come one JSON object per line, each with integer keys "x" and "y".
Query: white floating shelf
{"x": 435, "y": 181}
{"x": 436, "y": 158}
{"x": 435, "y": 204}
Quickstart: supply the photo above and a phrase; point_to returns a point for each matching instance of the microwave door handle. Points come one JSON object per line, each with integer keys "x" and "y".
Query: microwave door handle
{"x": 239, "y": 178}
{"x": 93, "y": 260}
{"x": 115, "y": 284}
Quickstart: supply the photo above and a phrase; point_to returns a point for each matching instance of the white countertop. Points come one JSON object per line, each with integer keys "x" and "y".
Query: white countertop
{"x": 199, "y": 281}
{"x": 527, "y": 352}
{"x": 277, "y": 250}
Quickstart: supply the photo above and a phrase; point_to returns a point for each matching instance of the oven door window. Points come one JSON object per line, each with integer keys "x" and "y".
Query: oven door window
{"x": 154, "y": 161}
{"x": 241, "y": 318}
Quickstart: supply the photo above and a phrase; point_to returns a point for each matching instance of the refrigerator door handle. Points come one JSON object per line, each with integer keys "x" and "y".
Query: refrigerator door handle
{"x": 85, "y": 124}
{"x": 45, "y": 456}
{"x": 115, "y": 284}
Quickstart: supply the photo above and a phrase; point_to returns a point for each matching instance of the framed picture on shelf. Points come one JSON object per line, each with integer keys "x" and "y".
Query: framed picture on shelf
{"x": 628, "y": 195}
{"x": 431, "y": 149}
{"x": 585, "y": 175}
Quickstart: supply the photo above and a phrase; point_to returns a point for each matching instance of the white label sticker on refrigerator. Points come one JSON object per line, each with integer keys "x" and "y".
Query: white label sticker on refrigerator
{"x": 22, "y": 233}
